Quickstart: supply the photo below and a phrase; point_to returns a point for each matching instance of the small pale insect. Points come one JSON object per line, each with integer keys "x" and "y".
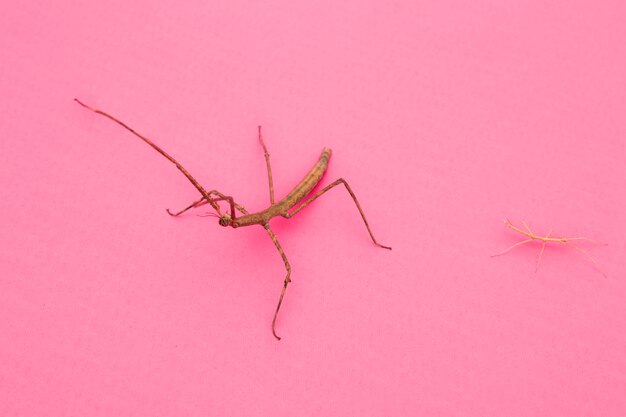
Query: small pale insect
{"x": 547, "y": 239}
{"x": 300, "y": 196}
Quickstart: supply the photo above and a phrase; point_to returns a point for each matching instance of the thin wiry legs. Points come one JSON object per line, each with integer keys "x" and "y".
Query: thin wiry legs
{"x": 203, "y": 201}
{"x": 242, "y": 210}
{"x": 293, "y": 213}
{"x": 269, "y": 167}
{"x": 584, "y": 252}
{"x": 358, "y": 206}
{"x": 543, "y": 247}
{"x": 195, "y": 204}
{"x": 530, "y": 233}
{"x": 273, "y": 236}
{"x": 287, "y": 278}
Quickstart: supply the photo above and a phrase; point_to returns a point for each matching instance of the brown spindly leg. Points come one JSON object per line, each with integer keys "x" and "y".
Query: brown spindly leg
{"x": 287, "y": 278}
{"x": 269, "y": 167}
{"x": 233, "y": 204}
{"x": 195, "y": 204}
{"x": 358, "y": 206}
{"x": 220, "y": 197}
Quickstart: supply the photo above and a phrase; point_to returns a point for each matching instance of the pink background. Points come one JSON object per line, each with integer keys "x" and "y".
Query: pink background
{"x": 445, "y": 117}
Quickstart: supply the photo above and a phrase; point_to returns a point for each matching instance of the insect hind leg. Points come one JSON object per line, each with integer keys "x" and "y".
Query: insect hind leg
{"x": 358, "y": 206}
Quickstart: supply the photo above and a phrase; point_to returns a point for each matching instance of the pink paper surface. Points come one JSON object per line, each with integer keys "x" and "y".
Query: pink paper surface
{"x": 444, "y": 117}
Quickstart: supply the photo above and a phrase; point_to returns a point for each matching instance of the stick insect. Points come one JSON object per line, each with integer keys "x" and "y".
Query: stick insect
{"x": 285, "y": 208}
{"x": 544, "y": 240}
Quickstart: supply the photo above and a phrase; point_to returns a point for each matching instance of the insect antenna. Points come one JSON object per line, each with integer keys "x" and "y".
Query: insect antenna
{"x": 191, "y": 179}
{"x": 208, "y": 214}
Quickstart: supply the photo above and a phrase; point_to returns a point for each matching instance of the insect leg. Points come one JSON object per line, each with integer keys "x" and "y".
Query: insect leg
{"x": 195, "y": 204}
{"x": 543, "y": 247}
{"x": 269, "y": 167}
{"x": 202, "y": 201}
{"x": 511, "y": 247}
{"x": 287, "y": 278}
{"x": 584, "y": 252}
{"x": 358, "y": 206}
{"x": 233, "y": 203}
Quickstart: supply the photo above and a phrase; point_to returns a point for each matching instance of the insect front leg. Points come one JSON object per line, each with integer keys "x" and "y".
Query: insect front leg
{"x": 511, "y": 247}
{"x": 220, "y": 197}
{"x": 195, "y": 204}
